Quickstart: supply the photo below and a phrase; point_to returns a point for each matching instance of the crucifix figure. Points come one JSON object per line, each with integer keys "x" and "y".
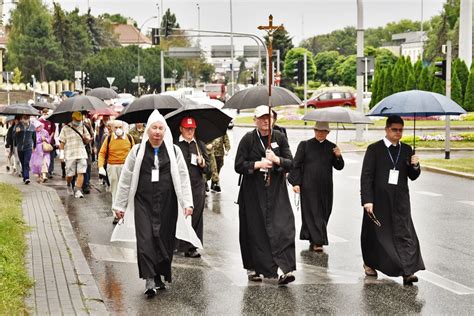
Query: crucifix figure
{"x": 270, "y": 29}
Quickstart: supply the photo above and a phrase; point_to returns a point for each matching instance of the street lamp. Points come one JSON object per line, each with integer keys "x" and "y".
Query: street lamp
{"x": 138, "y": 51}
{"x": 199, "y": 24}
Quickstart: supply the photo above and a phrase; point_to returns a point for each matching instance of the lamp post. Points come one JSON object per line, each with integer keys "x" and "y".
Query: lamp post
{"x": 199, "y": 24}
{"x": 138, "y": 51}
{"x": 231, "y": 53}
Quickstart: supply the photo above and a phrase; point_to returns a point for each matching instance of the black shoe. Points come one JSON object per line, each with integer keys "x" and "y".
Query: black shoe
{"x": 207, "y": 187}
{"x": 8, "y": 168}
{"x": 286, "y": 278}
{"x": 192, "y": 254}
{"x": 86, "y": 190}
{"x": 410, "y": 279}
{"x": 115, "y": 221}
{"x": 217, "y": 188}
{"x": 50, "y": 176}
{"x": 27, "y": 181}
{"x": 150, "y": 290}
{"x": 159, "y": 285}
{"x": 254, "y": 276}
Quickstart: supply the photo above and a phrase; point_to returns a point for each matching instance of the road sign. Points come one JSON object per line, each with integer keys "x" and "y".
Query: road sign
{"x": 361, "y": 65}
{"x": 184, "y": 52}
{"x": 251, "y": 51}
{"x": 135, "y": 80}
{"x": 221, "y": 51}
{"x": 110, "y": 80}
{"x": 77, "y": 74}
{"x": 169, "y": 80}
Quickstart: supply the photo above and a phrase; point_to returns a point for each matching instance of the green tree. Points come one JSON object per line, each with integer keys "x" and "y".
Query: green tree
{"x": 417, "y": 68}
{"x": 424, "y": 81}
{"x": 116, "y": 18}
{"x": 463, "y": 73}
{"x": 342, "y": 41}
{"x": 397, "y": 75}
{"x": 294, "y": 55}
{"x": 242, "y": 75}
{"x": 469, "y": 95}
{"x": 376, "y": 83}
{"x": 324, "y": 61}
{"x": 411, "y": 82}
{"x": 384, "y": 57}
{"x": 388, "y": 83}
{"x": 283, "y": 42}
{"x": 347, "y": 71}
{"x": 438, "y": 86}
{"x": 456, "y": 90}
{"x": 17, "y": 76}
{"x": 100, "y": 32}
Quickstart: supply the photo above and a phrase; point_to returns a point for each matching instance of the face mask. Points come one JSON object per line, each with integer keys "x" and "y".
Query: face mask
{"x": 119, "y": 132}
{"x": 76, "y": 123}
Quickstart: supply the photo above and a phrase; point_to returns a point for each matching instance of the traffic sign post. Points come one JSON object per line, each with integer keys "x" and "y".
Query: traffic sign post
{"x": 110, "y": 80}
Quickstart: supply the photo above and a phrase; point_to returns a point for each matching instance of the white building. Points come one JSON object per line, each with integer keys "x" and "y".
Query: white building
{"x": 407, "y": 44}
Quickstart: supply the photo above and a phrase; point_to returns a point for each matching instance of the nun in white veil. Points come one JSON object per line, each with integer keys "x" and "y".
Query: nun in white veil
{"x": 155, "y": 201}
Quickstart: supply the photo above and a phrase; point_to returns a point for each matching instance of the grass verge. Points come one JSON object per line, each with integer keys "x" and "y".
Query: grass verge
{"x": 14, "y": 279}
{"x": 465, "y": 165}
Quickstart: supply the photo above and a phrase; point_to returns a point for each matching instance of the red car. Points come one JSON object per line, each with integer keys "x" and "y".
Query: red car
{"x": 215, "y": 91}
{"x": 331, "y": 98}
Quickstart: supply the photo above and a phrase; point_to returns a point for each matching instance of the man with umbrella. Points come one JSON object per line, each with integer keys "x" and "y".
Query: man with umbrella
{"x": 312, "y": 177}
{"x": 267, "y": 224}
{"x": 388, "y": 239}
{"x": 24, "y": 138}
{"x": 73, "y": 138}
{"x": 197, "y": 160}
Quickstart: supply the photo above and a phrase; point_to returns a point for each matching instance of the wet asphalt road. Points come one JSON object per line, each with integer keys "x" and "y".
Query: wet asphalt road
{"x": 331, "y": 282}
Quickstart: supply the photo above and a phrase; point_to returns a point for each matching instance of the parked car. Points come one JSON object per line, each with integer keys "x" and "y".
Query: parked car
{"x": 216, "y": 91}
{"x": 331, "y": 98}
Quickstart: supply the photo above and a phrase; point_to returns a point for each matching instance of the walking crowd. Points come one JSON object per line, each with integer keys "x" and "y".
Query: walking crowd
{"x": 158, "y": 186}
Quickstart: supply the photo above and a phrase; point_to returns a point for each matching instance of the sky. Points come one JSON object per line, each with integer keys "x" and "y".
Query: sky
{"x": 301, "y": 18}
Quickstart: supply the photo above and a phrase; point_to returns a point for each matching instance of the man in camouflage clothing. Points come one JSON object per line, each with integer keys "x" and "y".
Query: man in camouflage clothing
{"x": 220, "y": 147}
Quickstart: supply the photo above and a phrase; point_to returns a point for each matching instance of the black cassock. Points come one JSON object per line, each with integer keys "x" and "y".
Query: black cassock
{"x": 155, "y": 217}
{"x": 198, "y": 187}
{"x": 392, "y": 248}
{"x": 267, "y": 224}
{"x": 312, "y": 171}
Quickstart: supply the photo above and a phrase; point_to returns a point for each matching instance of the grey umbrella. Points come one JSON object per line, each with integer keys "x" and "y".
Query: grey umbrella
{"x": 140, "y": 109}
{"x": 19, "y": 109}
{"x": 416, "y": 103}
{"x": 337, "y": 115}
{"x": 80, "y": 103}
{"x": 252, "y": 97}
{"x": 43, "y": 105}
{"x": 103, "y": 93}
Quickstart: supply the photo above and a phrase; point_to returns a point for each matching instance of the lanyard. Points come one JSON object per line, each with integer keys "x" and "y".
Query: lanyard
{"x": 398, "y": 156}
{"x": 260, "y": 139}
{"x": 156, "y": 151}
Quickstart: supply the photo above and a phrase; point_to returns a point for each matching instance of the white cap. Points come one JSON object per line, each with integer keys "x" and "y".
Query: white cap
{"x": 322, "y": 126}
{"x": 261, "y": 110}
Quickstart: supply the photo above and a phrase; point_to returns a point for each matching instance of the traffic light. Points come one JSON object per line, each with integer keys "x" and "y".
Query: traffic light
{"x": 168, "y": 29}
{"x": 86, "y": 79}
{"x": 442, "y": 69}
{"x": 155, "y": 36}
{"x": 299, "y": 71}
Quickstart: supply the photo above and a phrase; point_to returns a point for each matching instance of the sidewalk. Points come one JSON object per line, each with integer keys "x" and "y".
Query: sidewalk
{"x": 64, "y": 283}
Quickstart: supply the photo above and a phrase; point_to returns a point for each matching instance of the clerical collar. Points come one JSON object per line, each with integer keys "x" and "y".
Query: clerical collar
{"x": 389, "y": 143}
{"x": 182, "y": 139}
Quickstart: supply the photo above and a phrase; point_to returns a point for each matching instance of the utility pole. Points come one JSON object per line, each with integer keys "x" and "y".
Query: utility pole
{"x": 448, "y": 94}
{"x": 231, "y": 52}
{"x": 360, "y": 78}
{"x": 162, "y": 69}
{"x": 305, "y": 79}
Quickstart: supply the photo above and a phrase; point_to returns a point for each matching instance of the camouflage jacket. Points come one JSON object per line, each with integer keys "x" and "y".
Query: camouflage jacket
{"x": 220, "y": 144}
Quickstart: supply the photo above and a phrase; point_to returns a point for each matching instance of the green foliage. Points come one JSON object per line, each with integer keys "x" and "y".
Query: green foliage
{"x": 417, "y": 68}
{"x": 438, "y": 86}
{"x": 387, "y": 83}
{"x": 283, "y": 42}
{"x": 294, "y": 55}
{"x": 411, "y": 82}
{"x": 100, "y": 32}
{"x": 398, "y": 82}
{"x": 463, "y": 73}
{"x": 456, "y": 90}
{"x": 17, "y": 76}
{"x": 342, "y": 41}
{"x": 469, "y": 95}
{"x": 347, "y": 71}
{"x": 14, "y": 279}
{"x": 116, "y": 18}
{"x": 424, "y": 80}
{"x": 324, "y": 61}
{"x": 384, "y": 58}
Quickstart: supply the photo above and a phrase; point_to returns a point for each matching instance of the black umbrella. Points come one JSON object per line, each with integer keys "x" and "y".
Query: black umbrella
{"x": 19, "y": 109}
{"x": 80, "y": 103}
{"x": 44, "y": 105}
{"x": 211, "y": 122}
{"x": 252, "y": 97}
{"x": 139, "y": 110}
{"x": 103, "y": 93}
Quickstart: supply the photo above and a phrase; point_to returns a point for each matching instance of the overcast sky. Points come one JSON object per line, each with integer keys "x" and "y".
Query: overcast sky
{"x": 301, "y": 18}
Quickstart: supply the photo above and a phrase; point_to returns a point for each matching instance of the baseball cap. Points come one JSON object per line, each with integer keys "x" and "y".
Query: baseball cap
{"x": 261, "y": 110}
{"x": 188, "y": 122}
{"x": 322, "y": 126}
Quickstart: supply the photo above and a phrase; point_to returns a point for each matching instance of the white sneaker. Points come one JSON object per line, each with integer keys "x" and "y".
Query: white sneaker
{"x": 69, "y": 190}
{"x": 78, "y": 194}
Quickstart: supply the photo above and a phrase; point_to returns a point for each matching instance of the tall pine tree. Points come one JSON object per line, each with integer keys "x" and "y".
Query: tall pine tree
{"x": 387, "y": 83}
{"x": 469, "y": 95}
{"x": 424, "y": 80}
{"x": 456, "y": 90}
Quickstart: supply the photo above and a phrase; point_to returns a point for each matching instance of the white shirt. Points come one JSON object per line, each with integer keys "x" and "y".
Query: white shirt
{"x": 389, "y": 143}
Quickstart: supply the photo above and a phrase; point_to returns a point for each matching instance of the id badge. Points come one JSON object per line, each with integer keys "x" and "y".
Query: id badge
{"x": 274, "y": 145}
{"x": 155, "y": 175}
{"x": 393, "y": 177}
{"x": 194, "y": 159}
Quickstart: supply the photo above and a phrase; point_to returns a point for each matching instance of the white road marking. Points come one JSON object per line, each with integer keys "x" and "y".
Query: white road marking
{"x": 467, "y": 202}
{"x": 444, "y": 283}
{"x": 428, "y": 193}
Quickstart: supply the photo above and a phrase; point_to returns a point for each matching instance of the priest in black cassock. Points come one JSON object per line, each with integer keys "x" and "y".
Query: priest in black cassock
{"x": 197, "y": 160}
{"x": 312, "y": 178}
{"x": 154, "y": 199}
{"x": 388, "y": 239}
{"x": 267, "y": 224}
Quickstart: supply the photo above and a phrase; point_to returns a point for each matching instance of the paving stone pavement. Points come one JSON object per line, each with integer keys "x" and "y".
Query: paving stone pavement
{"x": 64, "y": 284}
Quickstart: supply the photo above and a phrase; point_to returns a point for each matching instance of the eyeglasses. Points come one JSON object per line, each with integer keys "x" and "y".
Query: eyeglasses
{"x": 393, "y": 129}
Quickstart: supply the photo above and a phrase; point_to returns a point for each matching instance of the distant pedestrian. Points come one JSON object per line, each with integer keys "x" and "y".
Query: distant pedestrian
{"x": 388, "y": 239}
{"x": 153, "y": 198}
{"x": 221, "y": 147}
{"x": 40, "y": 159}
{"x": 13, "y": 162}
{"x": 312, "y": 178}
{"x": 112, "y": 156}
{"x": 50, "y": 127}
{"x": 24, "y": 137}
{"x": 137, "y": 132}
{"x": 277, "y": 127}
{"x": 73, "y": 139}
{"x": 267, "y": 224}
{"x": 197, "y": 161}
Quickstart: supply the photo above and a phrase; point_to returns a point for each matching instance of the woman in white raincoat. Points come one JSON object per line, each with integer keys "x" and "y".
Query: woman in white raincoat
{"x": 155, "y": 201}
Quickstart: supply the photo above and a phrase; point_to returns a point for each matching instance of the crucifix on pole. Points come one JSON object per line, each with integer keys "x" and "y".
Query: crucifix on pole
{"x": 270, "y": 29}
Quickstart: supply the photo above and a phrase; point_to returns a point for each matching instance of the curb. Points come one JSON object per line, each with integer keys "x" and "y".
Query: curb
{"x": 448, "y": 172}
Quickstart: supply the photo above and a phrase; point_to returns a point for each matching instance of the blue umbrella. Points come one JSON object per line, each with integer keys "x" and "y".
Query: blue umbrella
{"x": 416, "y": 103}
